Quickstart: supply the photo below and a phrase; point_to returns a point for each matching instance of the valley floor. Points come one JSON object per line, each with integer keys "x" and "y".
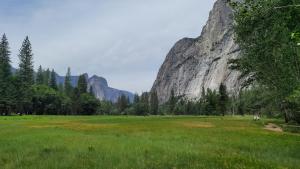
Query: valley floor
{"x": 54, "y": 142}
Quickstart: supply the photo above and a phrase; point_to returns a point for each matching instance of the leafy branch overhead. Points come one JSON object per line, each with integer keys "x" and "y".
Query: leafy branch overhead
{"x": 267, "y": 32}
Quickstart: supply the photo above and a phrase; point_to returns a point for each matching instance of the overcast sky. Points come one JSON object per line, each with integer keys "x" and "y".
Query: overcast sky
{"x": 125, "y": 41}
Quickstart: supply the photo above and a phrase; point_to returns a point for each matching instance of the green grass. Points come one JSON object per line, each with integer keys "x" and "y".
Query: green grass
{"x": 57, "y": 142}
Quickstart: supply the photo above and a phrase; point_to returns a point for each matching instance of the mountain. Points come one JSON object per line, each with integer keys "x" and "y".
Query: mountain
{"x": 194, "y": 64}
{"x": 99, "y": 87}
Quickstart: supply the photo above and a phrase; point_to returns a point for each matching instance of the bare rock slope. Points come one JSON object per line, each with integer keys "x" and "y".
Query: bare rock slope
{"x": 193, "y": 64}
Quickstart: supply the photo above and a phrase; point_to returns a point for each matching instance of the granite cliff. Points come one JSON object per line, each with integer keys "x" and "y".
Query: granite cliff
{"x": 194, "y": 64}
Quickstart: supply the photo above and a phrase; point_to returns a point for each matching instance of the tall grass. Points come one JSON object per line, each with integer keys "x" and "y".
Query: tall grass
{"x": 75, "y": 142}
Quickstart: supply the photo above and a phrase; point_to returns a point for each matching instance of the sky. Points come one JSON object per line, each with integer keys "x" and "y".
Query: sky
{"x": 124, "y": 41}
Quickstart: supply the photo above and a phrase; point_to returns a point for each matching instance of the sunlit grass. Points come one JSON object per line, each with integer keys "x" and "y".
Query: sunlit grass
{"x": 143, "y": 142}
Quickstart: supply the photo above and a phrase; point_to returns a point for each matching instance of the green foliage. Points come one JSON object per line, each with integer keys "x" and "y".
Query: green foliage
{"x": 296, "y": 37}
{"x": 5, "y": 67}
{"x": 256, "y": 100}
{"x": 106, "y": 108}
{"x": 47, "y": 75}
{"x": 223, "y": 99}
{"x": 5, "y": 77}
{"x": 172, "y": 102}
{"x": 82, "y": 84}
{"x": 88, "y": 104}
{"x": 270, "y": 56}
{"x": 68, "y": 86}
{"x": 26, "y": 77}
{"x": 53, "y": 83}
{"x": 154, "y": 103}
{"x": 25, "y": 71}
{"x": 211, "y": 103}
{"x": 294, "y": 104}
{"x": 122, "y": 103}
{"x": 48, "y": 101}
{"x": 40, "y": 76}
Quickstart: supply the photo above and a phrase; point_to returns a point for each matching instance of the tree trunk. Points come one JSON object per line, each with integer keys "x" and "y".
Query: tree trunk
{"x": 286, "y": 118}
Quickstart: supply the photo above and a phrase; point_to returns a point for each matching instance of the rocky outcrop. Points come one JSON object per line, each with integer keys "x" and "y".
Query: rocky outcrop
{"x": 102, "y": 91}
{"x": 193, "y": 64}
{"x": 99, "y": 87}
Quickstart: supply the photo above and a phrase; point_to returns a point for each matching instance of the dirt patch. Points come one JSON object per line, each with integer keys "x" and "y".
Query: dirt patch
{"x": 86, "y": 126}
{"x": 72, "y": 126}
{"x": 273, "y": 127}
{"x": 198, "y": 124}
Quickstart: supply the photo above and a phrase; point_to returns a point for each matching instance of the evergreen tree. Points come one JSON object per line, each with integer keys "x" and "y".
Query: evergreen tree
{"x": 154, "y": 103}
{"x": 88, "y": 104}
{"x": 47, "y": 75}
{"x": 122, "y": 103}
{"x": 75, "y": 101}
{"x": 53, "y": 83}
{"x": 211, "y": 104}
{"x": 25, "y": 71}
{"x": 172, "y": 102}
{"x": 144, "y": 103}
{"x": 223, "y": 99}
{"x": 82, "y": 84}
{"x": 136, "y": 99}
{"x": 5, "y": 77}
{"x": 5, "y": 67}
{"x": 68, "y": 84}
{"x": 26, "y": 77}
{"x": 40, "y": 76}
{"x": 60, "y": 88}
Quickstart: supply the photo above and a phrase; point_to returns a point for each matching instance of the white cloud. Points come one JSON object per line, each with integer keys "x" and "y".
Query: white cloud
{"x": 123, "y": 40}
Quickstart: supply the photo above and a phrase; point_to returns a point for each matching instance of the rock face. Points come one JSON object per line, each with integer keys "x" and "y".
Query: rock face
{"x": 102, "y": 91}
{"x": 99, "y": 87}
{"x": 193, "y": 64}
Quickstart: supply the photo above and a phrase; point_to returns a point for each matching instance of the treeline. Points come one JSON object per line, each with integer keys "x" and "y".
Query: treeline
{"x": 27, "y": 92}
{"x": 211, "y": 103}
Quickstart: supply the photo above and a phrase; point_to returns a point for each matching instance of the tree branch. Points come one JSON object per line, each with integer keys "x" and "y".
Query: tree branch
{"x": 287, "y": 6}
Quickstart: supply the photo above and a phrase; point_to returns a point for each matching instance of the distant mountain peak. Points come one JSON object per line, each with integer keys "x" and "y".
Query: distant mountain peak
{"x": 99, "y": 79}
{"x": 100, "y": 87}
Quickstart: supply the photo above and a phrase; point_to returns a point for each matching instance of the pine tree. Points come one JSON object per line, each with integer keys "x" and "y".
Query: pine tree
{"x": 172, "y": 102}
{"x": 68, "y": 84}
{"x": 5, "y": 59}
{"x": 40, "y": 76}
{"x": 60, "y": 88}
{"x": 82, "y": 84}
{"x": 223, "y": 99}
{"x": 122, "y": 103}
{"x": 53, "y": 83}
{"x": 75, "y": 97}
{"x": 144, "y": 101}
{"x": 5, "y": 77}
{"x": 25, "y": 77}
{"x": 154, "y": 103}
{"x": 26, "y": 63}
{"x": 47, "y": 75}
{"x": 136, "y": 99}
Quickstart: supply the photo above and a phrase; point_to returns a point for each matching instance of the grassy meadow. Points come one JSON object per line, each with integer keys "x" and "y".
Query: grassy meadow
{"x": 78, "y": 142}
